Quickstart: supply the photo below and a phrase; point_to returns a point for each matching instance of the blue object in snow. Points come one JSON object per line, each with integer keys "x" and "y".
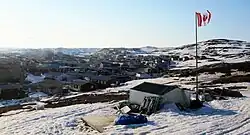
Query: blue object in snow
{"x": 71, "y": 124}
{"x": 127, "y": 119}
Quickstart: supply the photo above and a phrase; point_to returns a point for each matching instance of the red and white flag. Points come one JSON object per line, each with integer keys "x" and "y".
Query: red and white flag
{"x": 203, "y": 19}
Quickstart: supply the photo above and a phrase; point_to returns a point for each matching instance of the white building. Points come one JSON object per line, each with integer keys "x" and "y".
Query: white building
{"x": 169, "y": 94}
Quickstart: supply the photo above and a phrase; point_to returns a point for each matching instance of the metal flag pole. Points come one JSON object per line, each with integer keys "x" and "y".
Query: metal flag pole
{"x": 196, "y": 57}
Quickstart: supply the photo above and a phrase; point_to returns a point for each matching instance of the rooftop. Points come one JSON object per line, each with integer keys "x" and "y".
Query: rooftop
{"x": 153, "y": 88}
{"x": 10, "y": 86}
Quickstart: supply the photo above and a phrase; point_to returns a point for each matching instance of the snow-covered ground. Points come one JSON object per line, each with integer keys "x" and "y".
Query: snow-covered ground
{"x": 224, "y": 51}
{"x": 32, "y": 97}
{"x": 217, "y": 117}
{"x": 34, "y": 79}
{"x": 51, "y": 121}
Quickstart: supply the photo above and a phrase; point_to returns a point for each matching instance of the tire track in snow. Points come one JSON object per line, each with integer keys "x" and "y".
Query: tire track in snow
{"x": 244, "y": 122}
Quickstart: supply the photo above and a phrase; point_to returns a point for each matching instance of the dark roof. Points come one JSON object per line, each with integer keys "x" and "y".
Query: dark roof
{"x": 10, "y": 86}
{"x": 101, "y": 78}
{"x": 53, "y": 74}
{"x": 79, "y": 81}
{"x": 153, "y": 88}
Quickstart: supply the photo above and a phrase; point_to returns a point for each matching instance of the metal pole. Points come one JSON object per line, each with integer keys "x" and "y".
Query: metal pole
{"x": 196, "y": 57}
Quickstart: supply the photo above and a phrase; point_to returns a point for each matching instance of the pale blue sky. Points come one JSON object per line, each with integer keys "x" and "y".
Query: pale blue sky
{"x": 118, "y": 23}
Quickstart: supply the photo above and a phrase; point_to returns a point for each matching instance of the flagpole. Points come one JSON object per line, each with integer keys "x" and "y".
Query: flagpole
{"x": 196, "y": 57}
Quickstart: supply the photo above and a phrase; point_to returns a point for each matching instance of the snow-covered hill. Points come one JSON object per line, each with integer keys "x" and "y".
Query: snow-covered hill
{"x": 216, "y": 117}
{"x": 209, "y": 52}
{"x": 77, "y": 51}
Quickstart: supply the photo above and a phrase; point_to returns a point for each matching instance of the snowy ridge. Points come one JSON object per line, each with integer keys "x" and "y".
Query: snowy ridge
{"x": 77, "y": 51}
{"x": 210, "y": 52}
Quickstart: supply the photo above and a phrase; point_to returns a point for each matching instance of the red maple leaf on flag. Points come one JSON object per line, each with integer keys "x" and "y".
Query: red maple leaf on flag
{"x": 203, "y": 19}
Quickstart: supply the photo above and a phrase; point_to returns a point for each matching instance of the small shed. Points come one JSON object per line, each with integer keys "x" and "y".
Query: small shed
{"x": 168, "y": 93}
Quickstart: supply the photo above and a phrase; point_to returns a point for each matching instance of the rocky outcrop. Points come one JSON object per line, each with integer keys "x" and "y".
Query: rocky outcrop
{"x": 213, "y": 68}
{"x": 217, "y": 93}
{"x": 233, "y": 79}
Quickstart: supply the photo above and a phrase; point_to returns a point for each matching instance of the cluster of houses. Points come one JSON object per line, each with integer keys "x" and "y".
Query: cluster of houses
{"x": 59, "y": 75}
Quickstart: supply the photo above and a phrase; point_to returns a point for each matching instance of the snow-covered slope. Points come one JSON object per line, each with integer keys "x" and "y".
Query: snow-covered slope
{"x": 217, "y": 117}
{"x": 210, "y": 51}
{"x": 217, "y": 48}
{"x": 148, "y": 49}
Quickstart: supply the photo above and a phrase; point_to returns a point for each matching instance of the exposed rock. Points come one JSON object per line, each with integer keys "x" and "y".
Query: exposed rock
{"x": 237, "y": 87}
{"x": 213, "y": 68}
{"x": 218, "y": 92}
{"x": 233, "y": 79}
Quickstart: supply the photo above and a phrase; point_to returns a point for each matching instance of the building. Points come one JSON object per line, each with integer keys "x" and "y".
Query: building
{"x": 169, "y": 94}
{"x": 53, "y": 75}
{"x": 50, "y": 87}
{"x": 110, "y": 66}
{"x": 143, "y": 76}
{"x": 82, "y": 86}
{"x": 103, "y": 81}
{"x": 11, "y": 91}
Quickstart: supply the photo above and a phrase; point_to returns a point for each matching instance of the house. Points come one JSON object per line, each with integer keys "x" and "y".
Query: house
{"x": 110, "y": 66}
{"x": 50, "y": 87}
{"x": 142, "y": 76}
{"x": 169, "y": 94}
{"x": 124, "y": 66}
{"x": 82, "y": 86}
{"x": 105, "y": 64}
{"x": 121, "y": 78}
{"x": 143, "y": 70}
{"x": 11, "y": 91}
{"x": 163, "y": 65}
{"x": 52, "y": 75}
{"x": 88, "y": 75}
{"x": 103, "y": 81}
{"x": 65, "y": 69}
{"x": 50, "y": 65}
{"x": 70, "y": 76}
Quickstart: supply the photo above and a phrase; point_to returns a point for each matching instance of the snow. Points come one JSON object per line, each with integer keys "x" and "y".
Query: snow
{"x": 229, "y": 52}
{"x": 217, "y": 117}
{"x": 34, "y": 79}
{"x": 37, "y": 95}
{"x": 32, "y": 97}
{"x": 191, "y": 64}
{"x": 77, "y": 51}
{"x": 148, "y": 49}
{"x": 9, "y": 102}
{"x": 51, "y": 121}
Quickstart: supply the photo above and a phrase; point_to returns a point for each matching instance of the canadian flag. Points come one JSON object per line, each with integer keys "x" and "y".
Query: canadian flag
{"x": 203, "y": 19}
